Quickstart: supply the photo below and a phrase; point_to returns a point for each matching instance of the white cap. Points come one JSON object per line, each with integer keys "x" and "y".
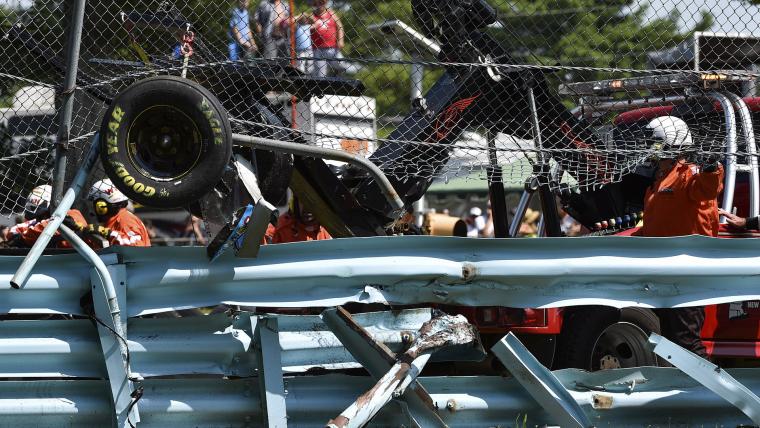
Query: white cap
{"x": 476, "y": 212}
{"x": 39, "y": 197}
{"x": 671, "y": 131}
{"x": 105, "y": 190}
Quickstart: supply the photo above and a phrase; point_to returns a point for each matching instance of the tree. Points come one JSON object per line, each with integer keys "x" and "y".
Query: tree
{"x": 578, "y": 33}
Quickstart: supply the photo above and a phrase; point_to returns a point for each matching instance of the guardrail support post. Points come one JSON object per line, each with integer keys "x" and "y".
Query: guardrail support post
{"x": 118, "y": 371}
{"x": 709, "y": 375}
{"x": 540, "y": 383}
{"x": 267, "y": 341}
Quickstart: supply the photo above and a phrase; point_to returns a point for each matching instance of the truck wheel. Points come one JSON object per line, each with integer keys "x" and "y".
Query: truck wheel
{"x": 165, "y": 141}
{"x": 600, "y": 338}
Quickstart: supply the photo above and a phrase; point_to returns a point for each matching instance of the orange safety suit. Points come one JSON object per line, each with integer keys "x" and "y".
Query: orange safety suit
{"x": 268, "y": 235}
{"x": 29, "y": 231}
{"x": 683, "y": 202}
{"x": 127, "y": 230}
{"x": 289, "y": 229}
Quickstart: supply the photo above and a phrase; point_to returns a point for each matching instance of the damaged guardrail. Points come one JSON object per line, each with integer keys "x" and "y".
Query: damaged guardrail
{"x": 535, "y": 273}
{"x": 230, "y": 366}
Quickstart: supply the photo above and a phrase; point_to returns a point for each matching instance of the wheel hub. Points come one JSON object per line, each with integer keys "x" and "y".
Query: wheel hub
{"x": 609, "y": 362}
{"x": 164, "y": 143}
{"x": 621, "y": 345}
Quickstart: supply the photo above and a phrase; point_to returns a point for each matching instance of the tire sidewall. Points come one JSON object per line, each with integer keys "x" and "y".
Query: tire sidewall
{"x": 583, "y": 327}
{"x": 213, "y": 131}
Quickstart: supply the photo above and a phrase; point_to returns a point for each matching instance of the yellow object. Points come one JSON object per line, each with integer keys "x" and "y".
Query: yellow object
{"x": 101, "y": 207}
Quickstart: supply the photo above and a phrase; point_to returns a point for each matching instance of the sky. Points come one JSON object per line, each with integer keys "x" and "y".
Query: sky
{"x": 730, "y": 15}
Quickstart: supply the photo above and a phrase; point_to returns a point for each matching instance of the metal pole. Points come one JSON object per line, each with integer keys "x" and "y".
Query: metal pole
{"x": 416, "y": 76}
{"x": 496, "y": 190}
{"x": 548, "y": 204}
{"x": 112, "y": 303}
{"x": 320, "y": 152}
{"x": 749, "y": 140}
{"x": 67, "y": 102}
{"x": 105, "y": 278}
{"x": 522, "y": 206}
{"x": 419, "y": 211}
{"x": 730, "y": 177}
{"x": 22, "y": 274}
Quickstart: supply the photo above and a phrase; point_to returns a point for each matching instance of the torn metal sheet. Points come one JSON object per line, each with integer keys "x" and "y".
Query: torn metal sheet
{"x": 377, "y": 359}
{"x": 438, "y": 333}
{"x": 709, "y": 375}
{"x": 670, "y": 398}
{"x": 540, "y": 383}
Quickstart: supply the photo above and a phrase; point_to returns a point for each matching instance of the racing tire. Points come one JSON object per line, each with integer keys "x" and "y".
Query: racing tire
{"x": 165, "y": 141}
{"x": 598, "y": 338}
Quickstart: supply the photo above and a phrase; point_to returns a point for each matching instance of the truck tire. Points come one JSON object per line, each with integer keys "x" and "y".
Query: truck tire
{"x": 598, "y": 338}
{"x": 165, "y": 141}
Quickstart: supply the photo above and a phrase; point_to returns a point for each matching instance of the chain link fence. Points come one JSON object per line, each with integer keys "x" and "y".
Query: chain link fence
{"x": 480, "y": 64}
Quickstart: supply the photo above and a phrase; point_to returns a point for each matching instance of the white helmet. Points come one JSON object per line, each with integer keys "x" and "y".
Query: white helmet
{"x": 106, "y": 191}
{"x": 671, "y": 132}
{"x": 38, "y": 201}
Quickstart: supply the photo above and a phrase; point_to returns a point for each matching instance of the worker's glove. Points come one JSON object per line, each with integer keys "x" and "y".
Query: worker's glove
{"x": 72, "y": 224}
{"x": 92, "y": 230}
{"x": 710, "y": 163}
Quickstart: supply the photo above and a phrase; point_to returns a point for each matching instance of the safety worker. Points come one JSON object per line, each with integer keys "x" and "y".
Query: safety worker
{"x": 681, "y": 201}
{"x": 36, "y": 217}
{"x": 740, "y": 223}
{"x": 116, "y": 224}
{"x": 298, "y": 224}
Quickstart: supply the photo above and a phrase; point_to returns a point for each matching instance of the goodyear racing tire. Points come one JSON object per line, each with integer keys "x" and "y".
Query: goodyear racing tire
{"x": 165, "y": 141}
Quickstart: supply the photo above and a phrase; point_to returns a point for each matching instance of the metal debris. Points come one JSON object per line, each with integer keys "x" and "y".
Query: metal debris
{"x": 440, "y": 332}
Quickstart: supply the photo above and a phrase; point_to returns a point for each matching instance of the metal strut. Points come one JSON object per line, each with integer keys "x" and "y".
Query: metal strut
{"x": 22, "y": 274}
{"x": 320, "y": 152}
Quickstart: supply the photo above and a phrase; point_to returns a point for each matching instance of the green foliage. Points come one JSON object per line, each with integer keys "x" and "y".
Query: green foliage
{"x": 591, "y": 33}
{"x": 585, "y": 33}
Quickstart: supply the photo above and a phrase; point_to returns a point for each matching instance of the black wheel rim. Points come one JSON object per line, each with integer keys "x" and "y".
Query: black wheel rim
{"x": 164, "y": 143}
{"x": 621, "y": 345}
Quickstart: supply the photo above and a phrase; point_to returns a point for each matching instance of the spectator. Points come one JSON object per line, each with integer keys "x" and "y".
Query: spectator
{"x": 194, "y": 229}
{"x": 241, "y": 38}
{"x": 475, "y": 222}
{"x": 298, "y": 224}
{"x": 488, "y": 229}
{"x": 529, "y": 224}
{"x": 681, "y": 201}
{"x": 272, "y": 18}
{"x": 568, "y": 225}
{"x": 326, "y": 36}
{"x": 303, "y": 48}
{"x": 36, "y": 217}
{"x": 118, "y": 226}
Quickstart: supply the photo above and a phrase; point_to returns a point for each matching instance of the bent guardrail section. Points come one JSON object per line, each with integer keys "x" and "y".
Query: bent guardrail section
{"x": 246, "y": 368}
